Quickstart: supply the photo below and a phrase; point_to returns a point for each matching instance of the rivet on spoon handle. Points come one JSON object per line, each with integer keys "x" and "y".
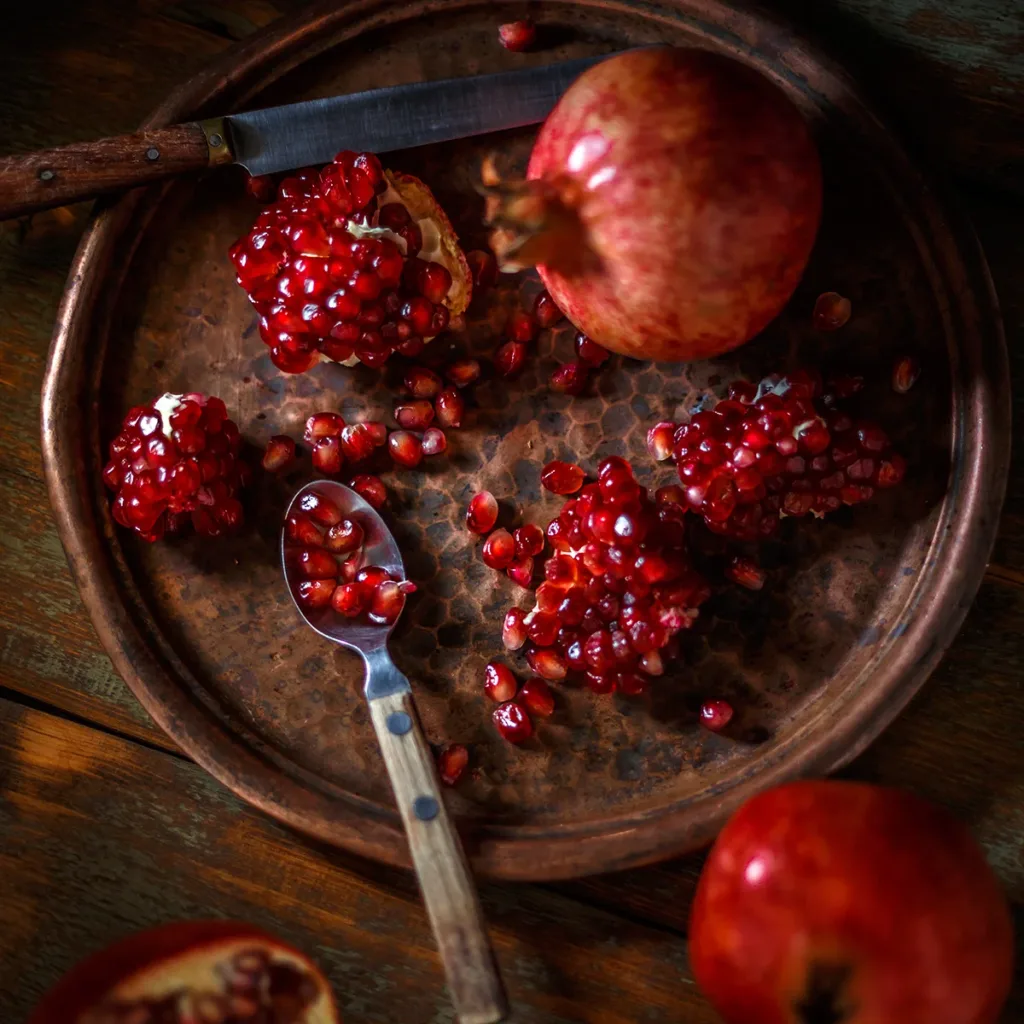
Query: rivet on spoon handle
{"x": 445, "y": 880}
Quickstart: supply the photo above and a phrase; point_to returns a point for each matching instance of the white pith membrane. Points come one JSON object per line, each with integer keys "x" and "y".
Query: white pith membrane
{"x": 166, "y": 405}
{"x": 197, "y": 971}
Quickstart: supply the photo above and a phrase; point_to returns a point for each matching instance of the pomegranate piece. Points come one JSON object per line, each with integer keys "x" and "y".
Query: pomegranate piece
{"x": 405, "y": 449}
{"x": 545, "y": 311}
{"x": 315, "y": 593}
{"x": 499, "y": 550}
{"x": 422, "y": 382}
{"x": 173, "y": 461}
{"x": 463, "y": 372}
{"x": 452, "y": 762}
{"x": 482, "y": 513}
{"x": 517, "y": 35}
{"x": 521, "y": 327}
{"x": 370, "y": 488}
{"x": 746, "y": 572}
{"x": 415, "y": 415}
{"x": 345, "y": 537}
{"x": 561, "y": 477}
{"x": 905, "y": 373}
{"x": 434, "y": 442}
{"x": 715, "y": 714}
{"x": 831, "y": 311}
{"x": 547, "y": 663}
{"x": 192, "y": 972}
{"x": 570, "y": 379}
{"x": 512, "y": 721}
{"x": 450, "y": 407}
{"x": 499, "y": 682}
{"x": 520, "y": 571}
{"x": 537, "y": 696}
{"x": 509, "y": 358}
{"x": 513, "y": 631}
{"x": 529, "y": 541}
{"x": 589, "y": 352}
{"x": 279, "y": 453}
{"x": 322, "y": 424}
{"x": 338, "y": 266}
{"x": 484, "y": 268}
{"x": 660, "y": 439}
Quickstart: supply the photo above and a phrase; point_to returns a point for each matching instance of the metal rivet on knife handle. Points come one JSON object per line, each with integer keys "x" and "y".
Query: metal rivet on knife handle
{"x": 215, "y": 130}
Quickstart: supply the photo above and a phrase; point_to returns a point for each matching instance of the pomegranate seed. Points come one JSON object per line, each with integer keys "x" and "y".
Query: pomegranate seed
{"x": 300, "y": 529}
{"x": 452, "y": 763}
{"x": 521, "y": 571}
{"x": 652, "y": 663}
{"x": 513, "y": 632}
{"x": 405, "y": 449}
{"x": 350, "y": 599}
{"x": 320, "y": 509}
{"x": 529, "y": 541}
{"x": 261, "y": 187}
{"x": 370, "y": 488}
{"x": 715, "y": 714}
{"x": 415, "y": 415}
{"x": 542, "y": 628}
{"x": 660, "y": 440}
{"x": 344, "y": 537}
{"x": 831, "y": 311}
{"x": 499, "y": 683}
{"x": 545, "y": 312}
{"x": 521, "y": 327}
{"x": 387, "y": 602}
{"x": 517, "y": 35}
{"x": 509, "y": 358}
{"x": 512, "y": 721}
{"x": 746, "y": 573}
{"x": 434, "y": 282}
{"x": 482, "y": 513}
{"x": 872, "y": 438}
{"x": 499, "y": 550}
{"x": 537, "y": 696}
{"x": 905, "y": 373}
{"x": 546, "y": 663}
{"x": 423, "y": 382}
{"x": 449, "y": 407}
{"x": 569, "y": 379}
{"x": 671, "y": 495}
{"x": 589, "y": 352}
{"x": 327, "y": 456}
{"x": 434, "y": 442}
{"x": 322, "y": 424}
{"x": 314, "y": 593}
{"x": 378, "y": 432}
{"x": 561, "y": 477}
{"x": 356, "y": 442}
{"x": 463, "y": 372}
{"x": 484, "y": 268}
{"x": 891, "y": 470}
{"x": 314, "y": 563}
{"x": 279, "y": 453}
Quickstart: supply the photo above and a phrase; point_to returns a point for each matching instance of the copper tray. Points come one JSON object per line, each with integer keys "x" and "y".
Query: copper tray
{"x": 857, "y": 611}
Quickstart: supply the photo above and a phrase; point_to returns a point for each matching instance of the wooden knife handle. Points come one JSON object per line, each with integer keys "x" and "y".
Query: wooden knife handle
{"x": 449, "y": 891}
{"x": 53, "y": 177}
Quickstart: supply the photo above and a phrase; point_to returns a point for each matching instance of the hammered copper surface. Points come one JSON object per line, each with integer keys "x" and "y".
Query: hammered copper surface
{"x": 856, "y": 610}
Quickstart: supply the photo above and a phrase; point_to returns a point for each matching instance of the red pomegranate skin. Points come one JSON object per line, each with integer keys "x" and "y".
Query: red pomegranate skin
{"x": 698, "y": 189}
{"x": 876, "y": 886}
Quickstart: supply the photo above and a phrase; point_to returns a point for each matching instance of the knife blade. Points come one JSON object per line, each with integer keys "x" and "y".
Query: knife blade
{"x": 287, "y": 137}
{"x": 397, "y": 117}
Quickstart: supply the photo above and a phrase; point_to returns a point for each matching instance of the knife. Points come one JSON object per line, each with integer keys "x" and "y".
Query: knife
{"x": 290, "y": 136}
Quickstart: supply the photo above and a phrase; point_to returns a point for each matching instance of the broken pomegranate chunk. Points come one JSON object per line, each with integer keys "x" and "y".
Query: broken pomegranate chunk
{"x": 174, "y": 459}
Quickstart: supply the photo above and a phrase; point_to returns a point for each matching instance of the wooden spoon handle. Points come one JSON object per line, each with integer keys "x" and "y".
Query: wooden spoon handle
{"x": 53, "y": 177}
{"x": 445, "y": 880}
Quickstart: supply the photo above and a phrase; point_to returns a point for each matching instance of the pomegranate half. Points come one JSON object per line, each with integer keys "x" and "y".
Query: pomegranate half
{"x": 672, "y": 201}
{"x": 195, "y": 971}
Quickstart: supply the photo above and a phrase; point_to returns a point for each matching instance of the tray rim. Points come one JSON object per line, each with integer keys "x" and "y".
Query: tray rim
{"x": 980, "y": 422}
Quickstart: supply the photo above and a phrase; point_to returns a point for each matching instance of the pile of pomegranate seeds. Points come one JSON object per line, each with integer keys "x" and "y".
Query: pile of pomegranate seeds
{"x": 176, "y": 460}
{"x": 337, "y": 265}
{"x": 324, "y": 554}
{"x": 781, "y": 449}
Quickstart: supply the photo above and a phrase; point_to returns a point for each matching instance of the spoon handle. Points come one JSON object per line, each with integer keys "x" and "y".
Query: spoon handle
{"x": 448, "y": 888}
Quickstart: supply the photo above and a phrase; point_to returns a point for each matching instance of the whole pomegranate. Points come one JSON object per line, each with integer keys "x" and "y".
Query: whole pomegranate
{"x": 672, "y": 202}
{"x": 195, "y": 972}
{"x": 845, "y": 903}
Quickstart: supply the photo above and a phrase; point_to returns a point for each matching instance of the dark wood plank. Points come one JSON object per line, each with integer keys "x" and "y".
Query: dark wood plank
{"x": 99, "y": 837}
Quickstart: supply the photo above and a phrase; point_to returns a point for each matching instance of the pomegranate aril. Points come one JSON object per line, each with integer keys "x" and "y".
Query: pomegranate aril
{"x": 569, "y": 379}
{"x": 327, "y": 457}
{"x": 499, "y": 682}
{"x": 520, "y": 571}
{"x": 415, "y": 415}
{"x": 463, "y": 372}
{"x": 482, "y": 513}
{"x": 715, "y": 714}
{"x": 484, "y": 268}
{"x": 891, "y": 470}
{"x": 562, "y": 477}
{"x": 449, "y": 407}
{"x": 261, "y": 187}
{"x": 509, "y": 358}
{"x": 322, "y": 424}
{"x": 521, "y": 327}
{"x": 350, "y": 599}
{"x": 434, "y": 441}
{"x": 314, "y": 593}
{"x": 542, "y": 628}
{"x": 452, "y": 763}
{"x": 746, "y": 572}
{"x": 319, "y": 508}
{"x": 529, "y": 540}
{"x": 871, "y": 437}
{"x": 356, "y": 442}
{"x": 405, "y": 449}
{"x": 660, "y": 440}
{"x": 517, "y": 35}
{"x": 370, "y": 488}
{"x": 632, "y": 684}
{"x": 314, "y": 563}
{"x": 422, "y": 382}
{"x": 499, "y": 550}
{"x": 545, "y": 312}
{"x": 387, "y": 602}
{"x": 378, "y": 432}
{"x": 905, "y": 373}
{"x": 513, "y": 630}
{"x": 831, "y": 311}
{"x": 546, "y": 663}
{"x": 344, "y": 537}
{"x": 537, "y": 696}
{"x": 589, "y": 352}
{"x": 512, "y": 721}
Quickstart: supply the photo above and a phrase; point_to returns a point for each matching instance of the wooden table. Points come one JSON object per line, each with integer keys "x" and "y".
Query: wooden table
{"x": 105, "y": 828}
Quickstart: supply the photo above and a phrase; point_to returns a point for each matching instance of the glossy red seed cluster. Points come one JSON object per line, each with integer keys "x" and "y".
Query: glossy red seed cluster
{"x": 617, "y": 587}
{"x": 325, "y": 559}
{"x": 512, "y": 715}
{"x": 320, "y": 285}
{"x": 176, "y": 461}
{"x": 782, "y": 449}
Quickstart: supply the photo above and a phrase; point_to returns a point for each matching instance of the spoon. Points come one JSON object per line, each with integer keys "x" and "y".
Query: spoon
{"x": 441, "y": 866}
